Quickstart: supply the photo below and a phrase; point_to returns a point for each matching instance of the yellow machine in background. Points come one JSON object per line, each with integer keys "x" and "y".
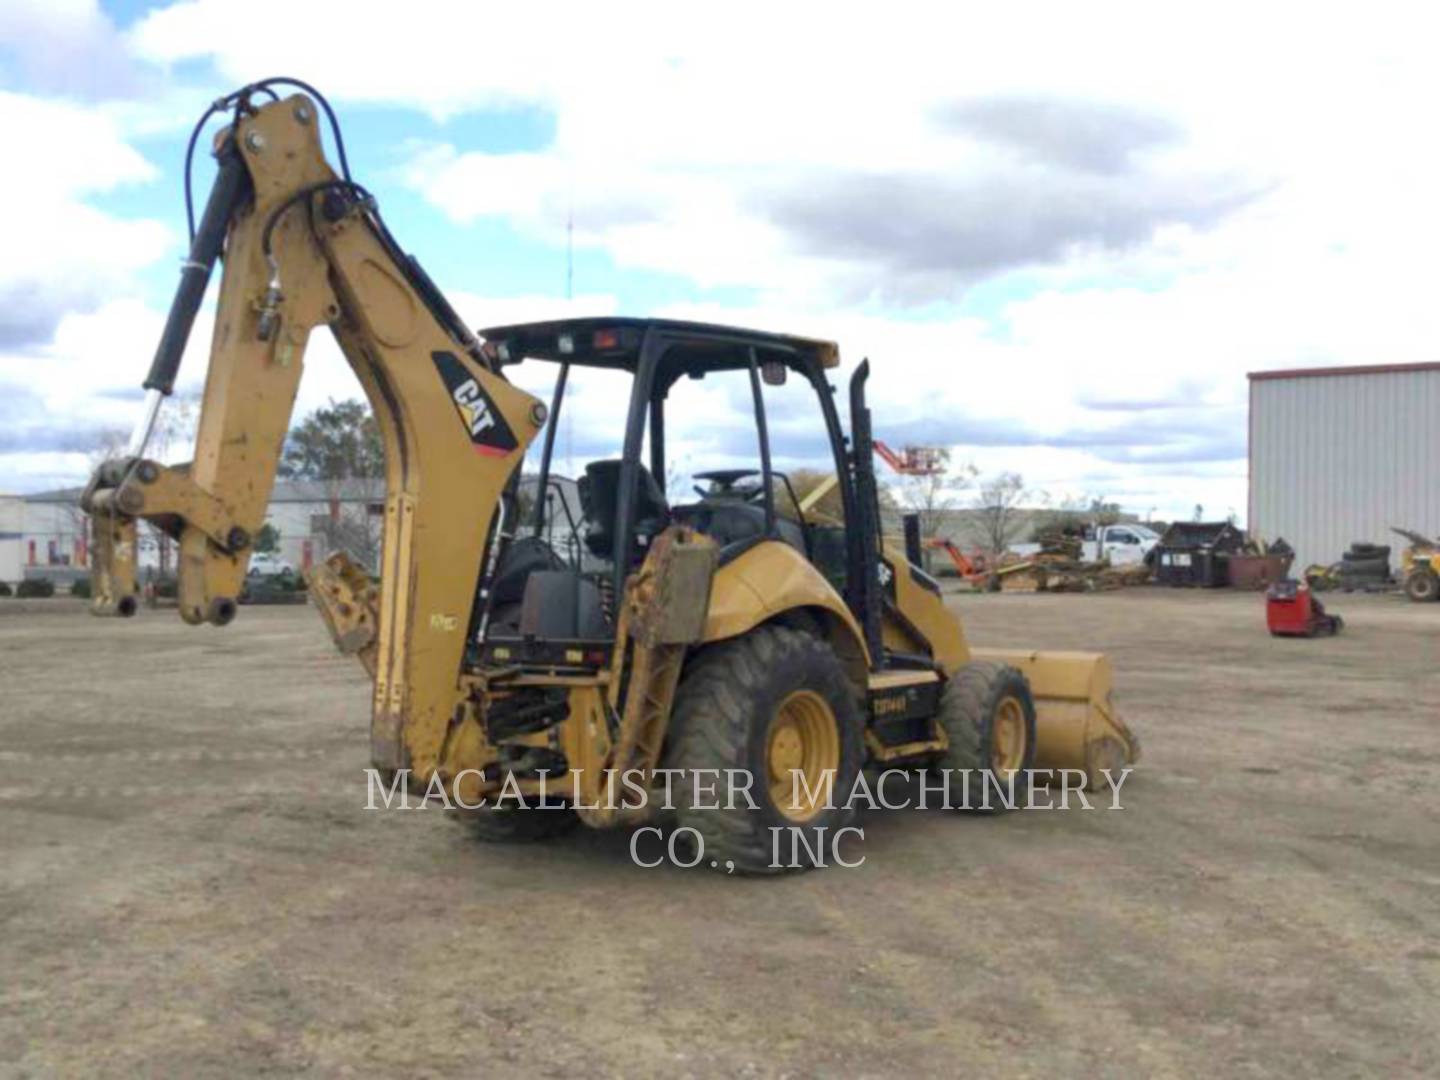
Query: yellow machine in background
{"x": 1420, "y": 566}
{"x": 657, "y": 632}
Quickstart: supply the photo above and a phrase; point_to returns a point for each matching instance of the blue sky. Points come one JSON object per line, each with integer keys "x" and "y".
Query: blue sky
{"x": 1062, "y": 252}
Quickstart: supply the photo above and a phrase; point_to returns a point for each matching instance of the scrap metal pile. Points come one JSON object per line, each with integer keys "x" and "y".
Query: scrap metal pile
{"x": 1059, "y": 566}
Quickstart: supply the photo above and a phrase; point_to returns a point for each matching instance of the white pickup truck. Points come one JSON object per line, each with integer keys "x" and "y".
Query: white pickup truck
{"x": 1122, "y": 544}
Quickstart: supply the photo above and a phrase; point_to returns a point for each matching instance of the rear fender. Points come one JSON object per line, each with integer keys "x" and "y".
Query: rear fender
{"x": 772, "y": 581}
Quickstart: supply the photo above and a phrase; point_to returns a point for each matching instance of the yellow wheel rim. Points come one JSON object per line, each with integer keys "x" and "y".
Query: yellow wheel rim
{"x": 804, "y": 739}
{"x": 1008, "y": 736}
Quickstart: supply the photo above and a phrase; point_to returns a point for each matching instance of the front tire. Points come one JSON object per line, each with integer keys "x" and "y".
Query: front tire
{"x": 1422, "y": 585}
{"x": 988, "y": 715}
{"x": 771, "y": 701}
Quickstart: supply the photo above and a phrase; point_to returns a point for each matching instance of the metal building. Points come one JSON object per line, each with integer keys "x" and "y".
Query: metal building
{"x": 1342, "y": 454}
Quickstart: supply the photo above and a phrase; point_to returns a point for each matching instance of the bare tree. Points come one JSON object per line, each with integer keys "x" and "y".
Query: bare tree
{"x": 1103, "y": 513}
{"x": 1069, "y": 517}
{"x": 1076, "y": 515}
{"x": 930, "y": 495}
{"x": 998, "y": 502}
{"x": 356, "y": 527}
{"x": 109, "y": 444}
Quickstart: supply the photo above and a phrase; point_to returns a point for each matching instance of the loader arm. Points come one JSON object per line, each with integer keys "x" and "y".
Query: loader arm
{"x": 303, "y": 247}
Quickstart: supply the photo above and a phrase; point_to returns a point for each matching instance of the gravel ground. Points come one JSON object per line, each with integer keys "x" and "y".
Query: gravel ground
{"x": 193, "y": 887}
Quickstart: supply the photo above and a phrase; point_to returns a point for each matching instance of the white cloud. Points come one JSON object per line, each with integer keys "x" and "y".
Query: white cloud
{"x": 66, "y": 47}
{"x": 844, "y": 163}
{"x": 61, "y": 253}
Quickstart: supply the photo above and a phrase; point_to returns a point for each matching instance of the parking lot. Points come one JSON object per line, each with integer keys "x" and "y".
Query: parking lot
{"x": 192, "y": 884}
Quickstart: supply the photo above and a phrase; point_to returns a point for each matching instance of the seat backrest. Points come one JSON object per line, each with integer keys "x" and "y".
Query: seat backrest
{"x": 600, "y": 501}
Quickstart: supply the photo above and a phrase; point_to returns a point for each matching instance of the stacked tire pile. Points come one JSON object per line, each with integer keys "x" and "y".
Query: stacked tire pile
{"x": 1365, "y": 568}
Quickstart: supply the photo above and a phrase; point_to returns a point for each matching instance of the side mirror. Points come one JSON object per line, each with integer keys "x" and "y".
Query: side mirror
{"x": 774, "y": 372}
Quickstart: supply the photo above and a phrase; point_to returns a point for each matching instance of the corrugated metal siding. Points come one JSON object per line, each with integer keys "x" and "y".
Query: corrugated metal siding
{"x": 1339, "y": 458}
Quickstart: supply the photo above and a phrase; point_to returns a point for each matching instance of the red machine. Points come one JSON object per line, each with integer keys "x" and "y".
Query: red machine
{"x": 1292, "y": 610}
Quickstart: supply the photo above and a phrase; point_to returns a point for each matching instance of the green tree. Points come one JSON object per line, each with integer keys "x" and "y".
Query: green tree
{"x": 339, "y": 446}
{"x": 267, "y": 539}
{"x": 337, "y": 442}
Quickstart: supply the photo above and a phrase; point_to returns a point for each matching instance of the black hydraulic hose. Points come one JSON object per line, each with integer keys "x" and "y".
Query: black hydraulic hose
{"x": 267, "y": 235}
{"x": 306, "y": 88}
{"x": 189, "y": 157}
{"x": 240, "y": 100}
{"x": 230, "y": 187}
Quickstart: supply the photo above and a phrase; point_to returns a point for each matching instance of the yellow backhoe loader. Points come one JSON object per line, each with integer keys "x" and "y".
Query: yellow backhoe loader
{"x": 521, "y": 643}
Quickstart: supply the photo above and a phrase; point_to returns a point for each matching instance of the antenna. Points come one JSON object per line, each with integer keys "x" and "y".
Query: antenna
{"x": 569, "y": 301}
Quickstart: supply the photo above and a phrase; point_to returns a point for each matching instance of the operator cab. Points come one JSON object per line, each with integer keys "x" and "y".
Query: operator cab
{"x": 669, "y": 397}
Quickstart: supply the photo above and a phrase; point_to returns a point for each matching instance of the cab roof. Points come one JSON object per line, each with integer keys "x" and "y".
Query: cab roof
{"x": 615, "y": 343}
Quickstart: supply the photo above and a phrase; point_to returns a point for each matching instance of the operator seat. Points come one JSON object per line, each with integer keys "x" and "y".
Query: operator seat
{"x": 600, "y": 501}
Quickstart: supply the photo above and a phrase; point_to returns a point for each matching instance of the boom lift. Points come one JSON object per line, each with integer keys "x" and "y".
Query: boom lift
{"x": 713, "y": 634}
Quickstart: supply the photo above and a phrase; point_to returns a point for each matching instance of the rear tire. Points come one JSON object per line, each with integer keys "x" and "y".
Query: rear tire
{"x": 988, "y": 714}
{"x": 771, "y": 700}
{"x": 1422, "y": 585}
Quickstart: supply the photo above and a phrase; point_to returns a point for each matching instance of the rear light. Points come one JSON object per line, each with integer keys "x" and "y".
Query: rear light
{"x": 606, "y": 339}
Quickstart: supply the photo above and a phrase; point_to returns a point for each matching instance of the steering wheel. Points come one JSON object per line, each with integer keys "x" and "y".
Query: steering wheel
{"x": 725, "y": 481}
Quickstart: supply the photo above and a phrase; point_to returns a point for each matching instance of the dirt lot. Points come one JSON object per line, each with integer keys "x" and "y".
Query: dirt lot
{"x": 192, "y": 885}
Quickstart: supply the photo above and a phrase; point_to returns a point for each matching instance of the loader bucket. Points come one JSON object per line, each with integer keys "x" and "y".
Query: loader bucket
{"x": 1076, "y": 725}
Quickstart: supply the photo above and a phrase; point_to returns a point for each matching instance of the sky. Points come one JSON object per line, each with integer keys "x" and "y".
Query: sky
{"x": 1062, "y": 233}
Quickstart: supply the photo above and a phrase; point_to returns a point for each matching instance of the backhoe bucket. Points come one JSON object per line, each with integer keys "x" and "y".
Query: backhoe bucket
{"x": 1076, "y": 725}
{"x": 348, "y": 602}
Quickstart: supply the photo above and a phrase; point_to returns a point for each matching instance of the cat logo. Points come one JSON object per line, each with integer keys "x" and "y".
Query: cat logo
{"x": 473, "y": 407}
{"x": 489, "y": 433}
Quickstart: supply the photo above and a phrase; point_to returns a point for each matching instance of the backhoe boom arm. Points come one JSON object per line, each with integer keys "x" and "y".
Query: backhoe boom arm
{"x": 303, "y": 248}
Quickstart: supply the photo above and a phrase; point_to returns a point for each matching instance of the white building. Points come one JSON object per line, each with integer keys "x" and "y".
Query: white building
{"x": 1339, "y": 455}
{"x": 313, "y": 517}
{"x": 43, "y": 535}
{"x": 46, "y": 536}
{"x": 12, "y": 526}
